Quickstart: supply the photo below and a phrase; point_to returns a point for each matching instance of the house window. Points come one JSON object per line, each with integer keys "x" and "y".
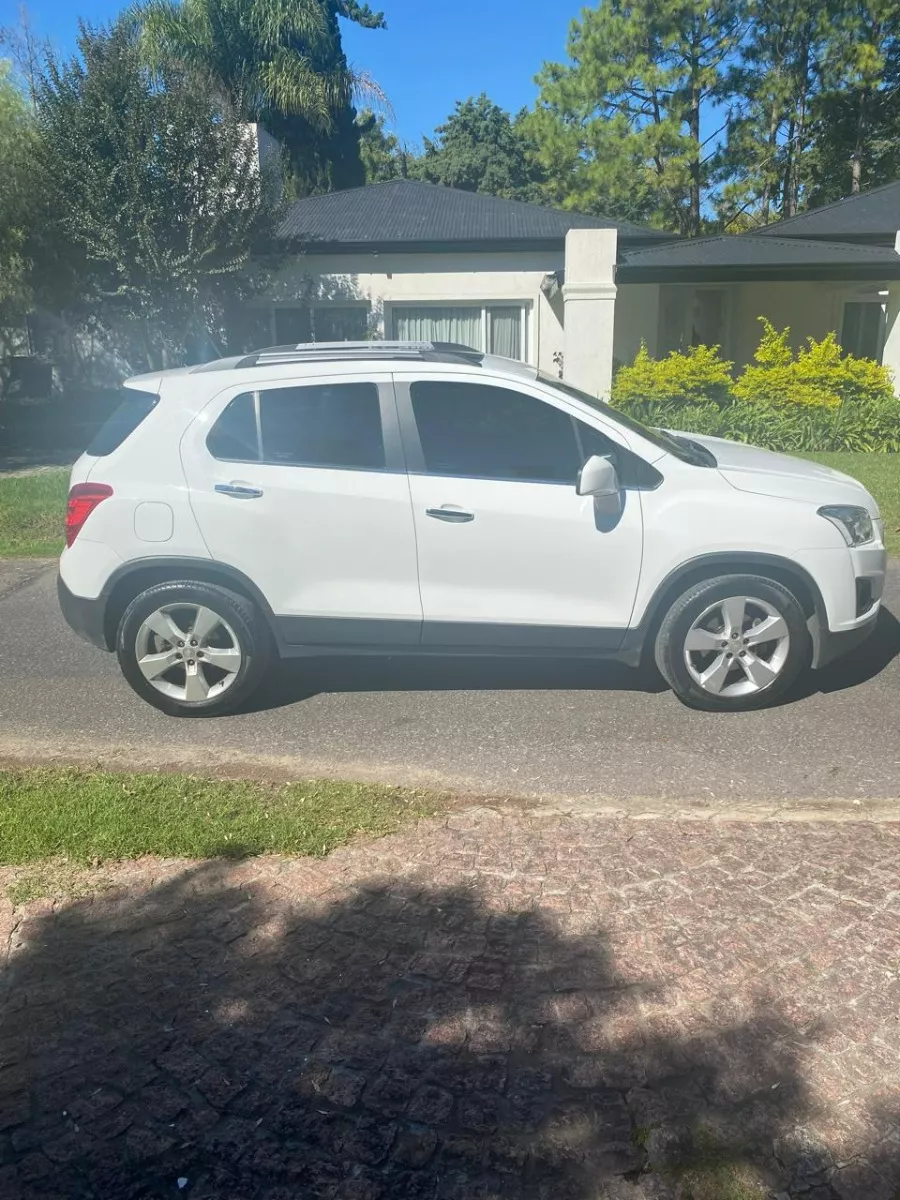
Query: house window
{"x": 294, "y": 324}
{"x": 862, "y": 329}
{"x": 494, "y": 328}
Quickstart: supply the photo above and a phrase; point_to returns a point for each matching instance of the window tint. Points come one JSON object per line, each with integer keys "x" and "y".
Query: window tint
{"x": 327, "y": 425}
{"x": 591, "y": 441}
{"x": 123, "y": 422}
{"x": 493, "y": 433}
{"x": 234, "y": 434}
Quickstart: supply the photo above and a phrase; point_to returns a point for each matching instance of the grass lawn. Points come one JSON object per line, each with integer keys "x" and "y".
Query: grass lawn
{"x": 87, "y": 817}
{"x": 32, "y": 513}
{"x": 880, "y": 474}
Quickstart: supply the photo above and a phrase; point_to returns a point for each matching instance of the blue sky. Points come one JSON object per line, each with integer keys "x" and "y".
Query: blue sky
{"x": 429, "y": 56}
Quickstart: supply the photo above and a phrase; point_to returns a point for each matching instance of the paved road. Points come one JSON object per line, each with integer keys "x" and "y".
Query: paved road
{"x": 517, "y": 1007}
{"x": 572, "y": 730}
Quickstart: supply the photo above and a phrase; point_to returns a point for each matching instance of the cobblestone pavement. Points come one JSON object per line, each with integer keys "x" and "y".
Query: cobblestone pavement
{"x": 485, "y": 1006}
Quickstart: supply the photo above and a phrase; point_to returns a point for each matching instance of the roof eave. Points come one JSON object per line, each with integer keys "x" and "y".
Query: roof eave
{"x": 817, "y": 272}
{"x": 300, "y": 244}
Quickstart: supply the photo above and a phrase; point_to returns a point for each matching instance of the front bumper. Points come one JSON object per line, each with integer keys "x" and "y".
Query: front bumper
{"x": 84, "y": 615}
{"x": 828, "y": 645}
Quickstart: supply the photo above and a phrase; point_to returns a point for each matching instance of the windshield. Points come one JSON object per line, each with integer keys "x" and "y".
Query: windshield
{"x": 683, "y": 448}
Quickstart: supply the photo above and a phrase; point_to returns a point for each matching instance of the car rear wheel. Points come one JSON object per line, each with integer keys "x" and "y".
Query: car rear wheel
{"x": 731, "y": 643}
{"x": 192, "y": 649}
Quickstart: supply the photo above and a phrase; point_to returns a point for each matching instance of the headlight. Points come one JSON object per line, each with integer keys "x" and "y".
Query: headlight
{"x": 854, "y": 523}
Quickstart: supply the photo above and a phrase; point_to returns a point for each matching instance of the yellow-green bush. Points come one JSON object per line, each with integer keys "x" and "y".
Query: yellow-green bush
{"x": 818, "y": 375}
{"x": 812, "y": 400}
{"x": 695, "y": 377}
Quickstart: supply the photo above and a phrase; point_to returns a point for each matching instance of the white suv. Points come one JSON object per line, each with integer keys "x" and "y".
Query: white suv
{"x": 419, "y": 498}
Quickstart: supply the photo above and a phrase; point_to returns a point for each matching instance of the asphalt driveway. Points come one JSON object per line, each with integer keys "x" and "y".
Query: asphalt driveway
{"x": 580, "y": 731}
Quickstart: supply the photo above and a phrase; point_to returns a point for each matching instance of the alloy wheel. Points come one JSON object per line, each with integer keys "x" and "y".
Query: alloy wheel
{"x": 188, "y": 652}
{"x": 737, "y": 646}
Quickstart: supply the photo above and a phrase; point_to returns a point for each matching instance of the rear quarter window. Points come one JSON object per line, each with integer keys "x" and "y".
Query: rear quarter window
{"x": 135, "y": 406}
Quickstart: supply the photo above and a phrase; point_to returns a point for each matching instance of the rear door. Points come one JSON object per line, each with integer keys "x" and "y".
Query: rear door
{"x": 303, "y": 488}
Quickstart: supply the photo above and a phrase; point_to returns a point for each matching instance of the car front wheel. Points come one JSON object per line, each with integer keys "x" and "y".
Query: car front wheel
{"x": 731, "y": 643}
{"x": 192, "y": 649}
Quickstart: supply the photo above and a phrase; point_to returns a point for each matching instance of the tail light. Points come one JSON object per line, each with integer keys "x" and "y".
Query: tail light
{"x": 83, "y": 499}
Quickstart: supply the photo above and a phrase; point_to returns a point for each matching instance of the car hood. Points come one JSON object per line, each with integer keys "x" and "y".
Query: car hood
{"x": 752, "y": 469}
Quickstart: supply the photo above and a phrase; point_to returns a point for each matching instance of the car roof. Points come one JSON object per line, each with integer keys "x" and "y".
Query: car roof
{"x": 336, "y": 357}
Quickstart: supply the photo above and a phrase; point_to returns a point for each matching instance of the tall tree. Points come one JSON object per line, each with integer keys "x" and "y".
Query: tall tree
{"x": 481, "y": 148}
{"x": 18, "y": 205}
{"x": 158, "y": 201}
{"x": 857, "y": 116}
{"x": 383, "y": 156}
{"x": 279, "y": 62}
{"x": 621, "y": 126}
{"x": 764, "y": 163}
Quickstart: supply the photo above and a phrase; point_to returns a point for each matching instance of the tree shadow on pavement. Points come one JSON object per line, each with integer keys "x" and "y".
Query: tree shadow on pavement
{"x": 395, "y": 1041}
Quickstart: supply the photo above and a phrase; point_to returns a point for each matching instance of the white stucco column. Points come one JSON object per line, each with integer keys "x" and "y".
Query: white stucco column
{"x": 590, "y": 308}
{"x": 891, "y": 354}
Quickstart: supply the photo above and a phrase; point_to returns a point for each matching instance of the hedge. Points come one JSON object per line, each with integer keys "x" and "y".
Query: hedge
{"x": 813, "y": 400}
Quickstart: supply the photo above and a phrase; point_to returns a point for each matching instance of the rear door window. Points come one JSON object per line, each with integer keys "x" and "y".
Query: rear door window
{"x": 235, "y": 437}
{"x": 323, "y": 425}
{"x": 135, "y": 406}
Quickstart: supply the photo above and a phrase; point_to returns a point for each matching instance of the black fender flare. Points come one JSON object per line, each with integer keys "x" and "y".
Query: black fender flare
{"x": 157, "y": 569}
{"x": 707, "y": 566}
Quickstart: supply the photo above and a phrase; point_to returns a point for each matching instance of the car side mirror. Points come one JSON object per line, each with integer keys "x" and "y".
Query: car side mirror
{"x": 598, "y": 477}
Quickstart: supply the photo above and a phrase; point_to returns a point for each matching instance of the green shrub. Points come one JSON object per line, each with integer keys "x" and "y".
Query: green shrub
{"x": 870, "y": 425}
{"x": 819, "y": 375}
{"x": 694, "y": 377}
{"x": 815, "y": 400}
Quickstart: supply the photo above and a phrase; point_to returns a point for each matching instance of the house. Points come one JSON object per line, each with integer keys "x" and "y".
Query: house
{"x": 566, "y": 291}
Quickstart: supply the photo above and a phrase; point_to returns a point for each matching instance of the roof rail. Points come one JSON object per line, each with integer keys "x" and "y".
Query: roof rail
{"x": 448, "y": 352}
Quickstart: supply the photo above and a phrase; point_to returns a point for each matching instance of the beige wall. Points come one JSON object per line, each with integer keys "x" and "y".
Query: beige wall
{"x": 809, "y": 309}
{"x": 637, "y": 319}
{"x": 384, "y": 280}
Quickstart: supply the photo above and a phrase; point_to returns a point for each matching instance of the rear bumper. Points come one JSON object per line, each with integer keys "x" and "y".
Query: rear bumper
{"x": 84, "y": 615}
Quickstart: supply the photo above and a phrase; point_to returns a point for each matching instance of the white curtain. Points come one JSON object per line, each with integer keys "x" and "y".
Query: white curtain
{"x": 460, "y": 325}
{"x": 505, "y": 325}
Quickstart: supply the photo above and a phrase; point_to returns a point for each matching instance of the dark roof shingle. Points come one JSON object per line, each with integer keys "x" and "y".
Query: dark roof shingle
{"x": 746, "y": 256}
{"x": 405, "y": 212}
{"x": 870, "y": 214}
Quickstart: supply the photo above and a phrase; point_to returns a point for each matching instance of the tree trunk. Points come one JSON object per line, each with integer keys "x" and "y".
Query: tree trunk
{"x": 694, "y": 200}
{"x": 769, "y": 184}
{"x": 856, "y": 162}
{"x": 694, "y": 131}
{"x": 786, "y": 207}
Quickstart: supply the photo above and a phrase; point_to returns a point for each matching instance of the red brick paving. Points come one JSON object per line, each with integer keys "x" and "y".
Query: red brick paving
{"x": 488, "y": 1006}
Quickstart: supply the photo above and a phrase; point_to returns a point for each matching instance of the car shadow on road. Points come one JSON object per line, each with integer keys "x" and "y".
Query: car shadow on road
{"x": 301, "y": 679}
{"x": 227, "y": 1034}
{"x": 864, "y": 663}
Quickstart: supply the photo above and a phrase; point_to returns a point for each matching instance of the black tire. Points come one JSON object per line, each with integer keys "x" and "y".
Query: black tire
{"x": 670, "y": 641}
{"x": 253, "y": 638}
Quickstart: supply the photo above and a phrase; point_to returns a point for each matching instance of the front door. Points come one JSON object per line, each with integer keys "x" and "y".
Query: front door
{"x": 509, "y": 554}
{"x": 303, "y": 488}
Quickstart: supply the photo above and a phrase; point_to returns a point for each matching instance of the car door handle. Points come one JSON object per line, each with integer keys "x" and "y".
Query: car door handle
{"x": 241, "y": 491}
{"x": 450, "y": 512}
